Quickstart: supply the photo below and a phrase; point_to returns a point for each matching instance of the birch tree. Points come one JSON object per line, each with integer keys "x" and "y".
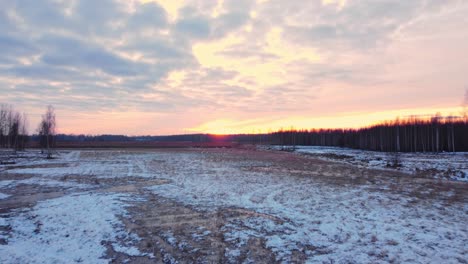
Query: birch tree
{"x": 47, "y": 130}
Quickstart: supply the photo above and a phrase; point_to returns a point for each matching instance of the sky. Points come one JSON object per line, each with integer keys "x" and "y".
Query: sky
{"x": 231, "y": 66}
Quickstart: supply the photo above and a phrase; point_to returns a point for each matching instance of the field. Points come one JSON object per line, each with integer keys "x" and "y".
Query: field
{"x": 231, "y": 205}
{"x": 446, "y": 165}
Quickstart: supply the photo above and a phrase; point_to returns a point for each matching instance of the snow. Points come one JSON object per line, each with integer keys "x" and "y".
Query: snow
{"x": 68, "y": 228}
{"x": 452, "y": 166}
{"x": 340, "y": 222}
{"x": 72, "y": 228}
{"x": 329, "y": 222}
{"x": 9, "y": 184}
{"x": 9, "y": 156}
{"x": 28, "y": 157}
{"x": 112, "y": 165}
{"x": 3, "y": 196}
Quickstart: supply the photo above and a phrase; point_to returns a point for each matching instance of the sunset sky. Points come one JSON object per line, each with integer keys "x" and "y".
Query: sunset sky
{"x": 231, "y": 66}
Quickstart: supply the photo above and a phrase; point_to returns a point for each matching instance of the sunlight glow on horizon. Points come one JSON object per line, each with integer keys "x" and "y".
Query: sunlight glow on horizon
{"x": 353, "y": 120}
{"x": 130, "y": 122}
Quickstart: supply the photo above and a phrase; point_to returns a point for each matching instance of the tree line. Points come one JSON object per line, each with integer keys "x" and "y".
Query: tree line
{"x": 412, "y": 134}
{"x": 435, "y": 134}
{"x": 14, "y": 129}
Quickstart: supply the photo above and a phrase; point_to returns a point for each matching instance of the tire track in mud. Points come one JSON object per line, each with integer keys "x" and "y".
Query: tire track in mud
{"x": 194, "y": 236}
{"x": 174, "y": 232}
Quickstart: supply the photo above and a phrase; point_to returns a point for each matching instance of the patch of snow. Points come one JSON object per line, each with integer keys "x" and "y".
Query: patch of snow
{"x": 169, "y": 238}
{"x": 68, "y": 229}
{"x": 4, "y": 196}
{"x": 8, "y": 157}
{"x": 452, "y": 166}
{"x": 71, "y": 156}
{"x": 340, "y": 222}
{"x": 8, "y": 184}
{"x": 232, "y": 254}
{"x": 200, "y": 234}
{"x": 92, "y": 163}
{"x": 3, "y": 228}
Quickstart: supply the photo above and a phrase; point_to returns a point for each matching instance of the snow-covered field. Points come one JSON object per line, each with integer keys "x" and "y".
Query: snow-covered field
{"x": 67, "y": 229}
{"x": 452, "y": 166}
{"x": 229, "y": 205}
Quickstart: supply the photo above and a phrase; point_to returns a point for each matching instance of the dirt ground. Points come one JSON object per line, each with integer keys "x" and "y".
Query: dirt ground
{"x": 200, "y": 234}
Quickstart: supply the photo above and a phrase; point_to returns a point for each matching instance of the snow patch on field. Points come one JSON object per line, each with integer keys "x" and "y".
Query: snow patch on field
{"x": 289, "y": 212}
{"x": 92, "y": 163}
{"x": 68, "y": 229}
{"x": 328, "y": 222}
{"x": 9, "y": 184}
{"x": 453, "y": 166}
{"x": 8, "y": 157}
{"x": 3, "y": 196}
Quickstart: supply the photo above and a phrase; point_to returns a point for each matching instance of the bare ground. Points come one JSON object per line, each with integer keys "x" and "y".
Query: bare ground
{"x": 173, "y": 231}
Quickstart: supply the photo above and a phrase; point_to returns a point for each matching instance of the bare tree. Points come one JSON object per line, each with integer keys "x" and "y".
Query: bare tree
{"x": 3, "y": 125}
{"x": 24, "y": 131}
{"x": 397, "y": 125}
{"x": 14, "y": 130}
{"x": 47, "y": 130}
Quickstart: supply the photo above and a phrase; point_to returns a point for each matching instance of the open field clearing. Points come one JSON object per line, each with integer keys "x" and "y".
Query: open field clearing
{"x": 446, "y": 165}
{"x": 227, "y": 206}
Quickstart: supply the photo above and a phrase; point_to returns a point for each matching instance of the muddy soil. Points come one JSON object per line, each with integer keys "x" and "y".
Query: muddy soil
{"x": 174, "y": 232}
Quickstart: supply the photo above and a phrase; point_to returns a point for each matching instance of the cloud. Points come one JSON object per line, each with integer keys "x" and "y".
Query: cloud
{"x": 148, "y": 16}
{"x": 229, "y": 22}
{"x": 195, "y": 27}
{"x": 13, "y": 47}
{"x": 231, "y": 59}
{"x": 65, "y": 51}
{"x": 359, "y": 25}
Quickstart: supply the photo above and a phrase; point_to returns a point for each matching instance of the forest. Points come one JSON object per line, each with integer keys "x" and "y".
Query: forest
{"x": 413, "y": 134}
{"x": 435, "y": 134}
